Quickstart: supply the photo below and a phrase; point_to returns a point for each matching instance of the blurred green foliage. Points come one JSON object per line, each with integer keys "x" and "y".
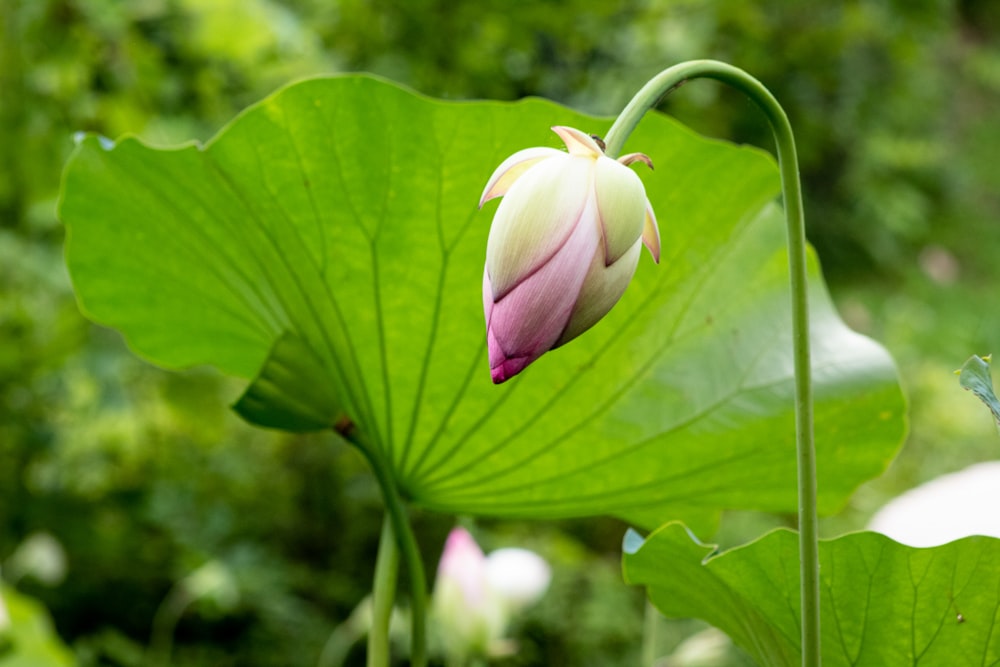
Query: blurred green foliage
{"x": 27, "y": 638}
{"x": 144, "y": 477}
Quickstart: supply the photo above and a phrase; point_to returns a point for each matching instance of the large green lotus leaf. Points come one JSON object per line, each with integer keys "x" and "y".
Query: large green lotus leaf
{"x": 883, "y": 603}
{"x": 328, "y": 243}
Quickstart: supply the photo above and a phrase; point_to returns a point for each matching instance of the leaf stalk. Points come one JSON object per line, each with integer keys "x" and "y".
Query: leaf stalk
{"x": 383, "y": 594}
{"x": 647, "y": 98}
{"x": 397, "y": 533}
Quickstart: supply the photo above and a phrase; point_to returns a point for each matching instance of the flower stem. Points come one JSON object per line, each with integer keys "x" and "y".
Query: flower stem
{"x": 646, "y": 99}
{"x": 650, "y": 627}
{"x": 399, "y": 529}
{"x": 383, "y": 593}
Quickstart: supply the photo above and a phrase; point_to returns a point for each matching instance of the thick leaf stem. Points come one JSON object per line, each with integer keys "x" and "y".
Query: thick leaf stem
{"x": 398, "y": 531}
{"x": 646, "y": 99}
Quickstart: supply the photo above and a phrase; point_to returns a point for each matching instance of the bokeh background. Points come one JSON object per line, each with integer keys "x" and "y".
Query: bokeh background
{"x": 152, "y": 523}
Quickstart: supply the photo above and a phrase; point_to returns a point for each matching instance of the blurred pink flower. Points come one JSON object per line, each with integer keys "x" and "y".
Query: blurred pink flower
{"x": 4, "y": 615}
{"x": 563, "y": 246}
{"x": 475, "y": 595}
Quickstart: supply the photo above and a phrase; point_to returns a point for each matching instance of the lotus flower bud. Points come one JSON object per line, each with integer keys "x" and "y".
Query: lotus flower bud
{"x": 466, "y": 617}
{"x": 563, "y": 246}
{"x": 475, "y": 595}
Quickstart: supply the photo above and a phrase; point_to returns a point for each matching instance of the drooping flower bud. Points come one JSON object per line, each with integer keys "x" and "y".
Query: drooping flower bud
{"x": 563, "y": 246}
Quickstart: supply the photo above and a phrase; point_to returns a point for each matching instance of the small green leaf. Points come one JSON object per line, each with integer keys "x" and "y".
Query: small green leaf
{"x": 975, "y": 376}
{"x": 883, "y": 603}
{"x": 328, "y": 242}
{"x": 29, "y": 640}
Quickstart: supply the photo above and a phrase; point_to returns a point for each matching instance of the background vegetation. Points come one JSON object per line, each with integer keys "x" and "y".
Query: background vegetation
{"x": 119, "y": 482}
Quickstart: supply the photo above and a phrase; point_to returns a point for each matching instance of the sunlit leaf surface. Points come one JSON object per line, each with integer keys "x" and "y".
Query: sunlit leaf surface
{"x": 328, "y": 243}
{"x": 884, "y": 603}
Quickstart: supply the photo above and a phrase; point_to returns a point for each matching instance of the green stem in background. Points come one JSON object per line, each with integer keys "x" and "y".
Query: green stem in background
{"x": 646, "y": 99}
{"x": 650, "y": 632}
{"x": 161, "y": 643}
{"x": 383, "y": 592}
{"x": 344, "y": 636}
{"x": 398, "y": 527}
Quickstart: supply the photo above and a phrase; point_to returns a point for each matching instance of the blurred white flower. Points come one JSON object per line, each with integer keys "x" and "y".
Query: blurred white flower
{"x": 708, "y": 648}
{"x": 41, "y": 557}
{"x": 475, "y": 595}
{"x": 517, "y": 576}
{"x": 944, "y": 509}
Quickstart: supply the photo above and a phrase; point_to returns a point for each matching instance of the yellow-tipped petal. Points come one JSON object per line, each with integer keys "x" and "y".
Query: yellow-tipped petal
{"x": 512, "y": 168}
{"x": 651, "y": 233}
{"x": 578, "y": 143}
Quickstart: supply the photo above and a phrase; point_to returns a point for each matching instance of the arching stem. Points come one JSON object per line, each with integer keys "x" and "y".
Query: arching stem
{"x": 646, "y": 99}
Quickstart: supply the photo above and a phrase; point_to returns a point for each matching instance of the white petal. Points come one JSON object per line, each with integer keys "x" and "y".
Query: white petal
{"x": 651, "y": 233}
{"x": 944, "y": 509}
{"x": 511, "y": 169}
{"x": 535, "y": 218}
{"x": 621, "y": 200}
{"x": 578, "y": 143}
{"x": 518, "y": 576}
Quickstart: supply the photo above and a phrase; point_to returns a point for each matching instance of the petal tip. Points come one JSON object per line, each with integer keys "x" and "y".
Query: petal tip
{"x": 651, "y": 234}
{"x": 636, "y": 157}
{"x": 508, "y": 368}
{"x": 577, "y": 142}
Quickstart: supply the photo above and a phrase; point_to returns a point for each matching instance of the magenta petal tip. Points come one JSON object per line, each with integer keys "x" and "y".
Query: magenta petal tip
{"x": 508, "y": 368}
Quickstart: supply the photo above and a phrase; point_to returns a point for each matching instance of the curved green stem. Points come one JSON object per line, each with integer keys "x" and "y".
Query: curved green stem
{"x": 646, "y": 99}
{"x": 398, "y": 525}
{"x": 165, "y": 620}
{"x": 383, "y": 594}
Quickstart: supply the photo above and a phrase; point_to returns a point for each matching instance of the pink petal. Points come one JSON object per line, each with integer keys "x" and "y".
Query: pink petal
{"x": 505, "y": 368}
{"x": 528, "y": 320}
{"x": 463, "y": 563}
{"x": 601, "y": 290}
